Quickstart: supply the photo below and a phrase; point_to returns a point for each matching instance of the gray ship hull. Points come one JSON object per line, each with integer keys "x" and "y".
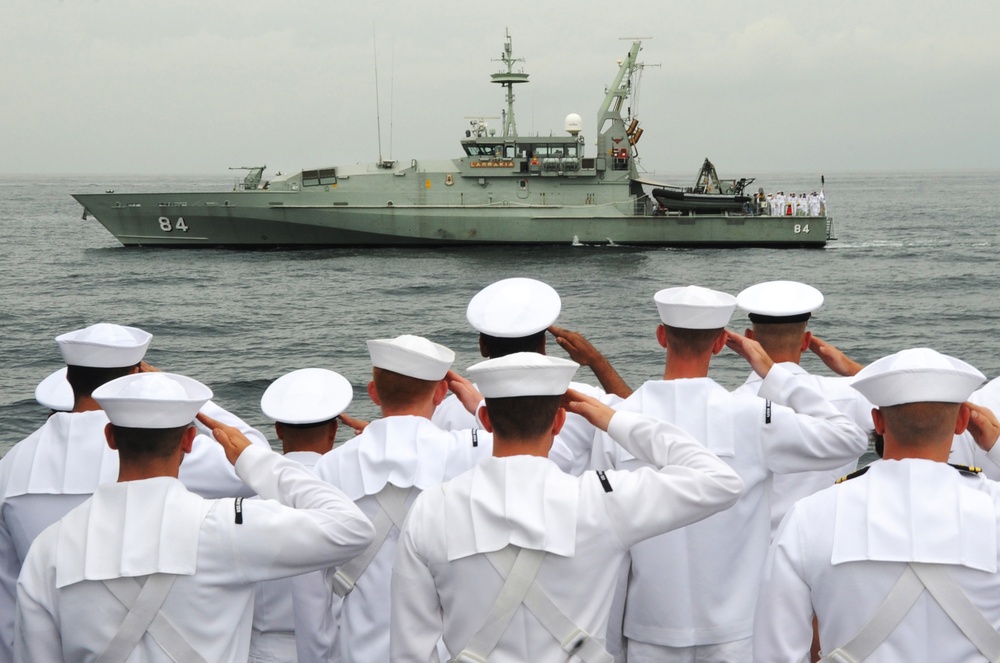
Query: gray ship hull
{"x": 261, "y": 219}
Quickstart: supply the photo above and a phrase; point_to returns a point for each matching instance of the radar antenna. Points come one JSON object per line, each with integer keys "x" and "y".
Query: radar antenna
{"x": 508, "y": 79}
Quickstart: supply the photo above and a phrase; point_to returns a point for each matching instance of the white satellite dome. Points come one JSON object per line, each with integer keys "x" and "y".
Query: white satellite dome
{"x": 574, "y": 124}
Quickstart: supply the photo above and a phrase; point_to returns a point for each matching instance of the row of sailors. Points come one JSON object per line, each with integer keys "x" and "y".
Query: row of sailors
{"x": 781, "y": 204}
{"x": 524, "y": 517}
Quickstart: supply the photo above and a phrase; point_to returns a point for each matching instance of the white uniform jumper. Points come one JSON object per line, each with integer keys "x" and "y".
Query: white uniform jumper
{"x": 83, "y": 571}
{"x": 841, "y": 551}
{"x": 445, "y": 582}
{"x": 383, "y": 470}
{"x": 786, "y": 489}
{"x": 56, "y": 468}
{"x": 279, "y": 605}
{"x": 705, "y": 595}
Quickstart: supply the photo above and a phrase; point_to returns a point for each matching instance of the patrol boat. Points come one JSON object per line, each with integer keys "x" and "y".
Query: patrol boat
{"x": 505, "y": 189}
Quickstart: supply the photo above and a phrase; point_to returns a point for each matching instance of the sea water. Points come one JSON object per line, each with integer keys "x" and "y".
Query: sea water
{"x": 914, "y": 265}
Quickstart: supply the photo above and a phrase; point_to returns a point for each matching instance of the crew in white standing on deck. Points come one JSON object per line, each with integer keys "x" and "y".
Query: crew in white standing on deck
{"x": 61, "y": 464}
{"x": 691, "y": 593}
{"x": 384, "y": 469}
{"x": 779, "y": 312}
{"x": 145, "y": 570}
{"x": 515, "y": 560}
{"x": 304, "y": 405}
{"x": 512, "y": 315}
{"x": 899, "y": 562}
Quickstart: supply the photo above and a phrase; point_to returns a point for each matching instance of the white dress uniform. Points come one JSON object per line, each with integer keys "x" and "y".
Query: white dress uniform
{"x": 443, "y": 578}
{"x": 410, "y": 454}
{"x": 841, "y": 551}
{"x": 217, "y": 549}
{"x": 965, "y": 451}
{"x": 898, "y": 563}
{"x": 278, "y": 604}
{"x": 61, "y": 464}
{"x": 706, "y": 594}
{"x": 786, "y": 489}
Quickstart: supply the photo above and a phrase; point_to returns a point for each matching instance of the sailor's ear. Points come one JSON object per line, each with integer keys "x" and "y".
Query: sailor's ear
{"x": 878, "y": 420}
{"x": 748, "y": 333}
{"x": 373, "y": 393}
{"x": 440, "y": 392}
{"x": 661, "y": 335}
{"x": 187, "y": 441}
{"x": 559, "y": 421}
{"x": 484, "y": 419}
{"x": 964, "y": 412}
{"x": 720, "y": 342}
{"x": 109, "y": 435}
{"x": 806, "y": 340}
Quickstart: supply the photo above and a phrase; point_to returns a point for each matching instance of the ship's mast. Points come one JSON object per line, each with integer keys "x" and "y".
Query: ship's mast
{"x": 508, "y": 79}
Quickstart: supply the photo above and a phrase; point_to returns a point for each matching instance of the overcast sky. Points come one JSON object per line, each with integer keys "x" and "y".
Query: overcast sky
{"x": 192, "y": 87}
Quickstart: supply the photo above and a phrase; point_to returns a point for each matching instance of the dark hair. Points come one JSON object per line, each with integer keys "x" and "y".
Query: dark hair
{"x": 497, "y": 346}
{"x": 146, "y": 443}
{"x": 85, "y": 379}
{"x": 519, "y": 417}
{"x": 398, "y": 390}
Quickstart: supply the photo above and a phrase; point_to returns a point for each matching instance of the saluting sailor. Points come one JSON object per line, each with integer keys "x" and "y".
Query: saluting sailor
{"x": 61, "y": 464}
{"x": 304, "y": 405}
{"x": 512, "y": 315}
{"x": 515, "y": 560}
{"x": 779, "y": 313}
{"x": 384, "y": 469}
{"x": 898, "y": 563}
{"x": 692, "y": 591}
{"x": 145, "y": 570}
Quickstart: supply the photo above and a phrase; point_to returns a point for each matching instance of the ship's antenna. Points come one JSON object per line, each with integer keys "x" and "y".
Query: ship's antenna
{"x": 392, "y": 93}
{"x": 378, "y": 114}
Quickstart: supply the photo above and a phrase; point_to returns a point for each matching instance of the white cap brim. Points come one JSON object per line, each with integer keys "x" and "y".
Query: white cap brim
{"x": 104, "y": 345}
{"x": 694, "y": 307}
{"x": 523, "y": 374}
{"x": 514, "y": 308}
{"x": 413, "y": 356}
{"x": 152, "y": 400}
{"x": 55, "y": 393}
{"x": 307, "y": 396}
{"x": 918, "y": 375}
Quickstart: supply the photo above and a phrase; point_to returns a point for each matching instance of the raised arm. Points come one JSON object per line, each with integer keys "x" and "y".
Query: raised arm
{"x": 584, "y": 353}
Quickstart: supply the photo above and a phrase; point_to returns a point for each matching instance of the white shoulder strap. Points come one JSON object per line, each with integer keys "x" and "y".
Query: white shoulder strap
{"x": 519, "y": 579}
{"x": 911, "y": 584}
{"x": 143, "y": 617}
{"x": 392, "y": 512}
{"x": 573, "y": 640}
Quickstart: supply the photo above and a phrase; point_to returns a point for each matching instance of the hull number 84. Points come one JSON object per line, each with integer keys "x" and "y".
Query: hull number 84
{"x": 166, "y": 225}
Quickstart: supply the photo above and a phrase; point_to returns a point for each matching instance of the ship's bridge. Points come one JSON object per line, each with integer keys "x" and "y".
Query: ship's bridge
{"x": 521, "y": 154}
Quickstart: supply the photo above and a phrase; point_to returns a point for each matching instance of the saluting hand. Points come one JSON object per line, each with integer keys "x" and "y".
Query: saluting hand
{"x": 834, "y": 359}
{"x": 591, "y": 409}
{"x": 465, "y": 391}
{"x": 576, "y": 346}
{"x": 358, "y": 425}
{"x": 983, "y": 426}
{"x": 750, "y": 350}
{"x": 232, "y": 440}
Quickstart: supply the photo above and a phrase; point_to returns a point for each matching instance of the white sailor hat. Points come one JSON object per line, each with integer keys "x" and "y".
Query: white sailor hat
{"x": 414, "y": 356}
{"x": 104, "y": 345}
{"x": 307, "y": 396}
{"x": 514, "y": 308}
{"x": 918, "y": 375}
{"x": 152, "y": 400}
{"x": 694, "y": 307}
{"x": 780, "y": 301}
{"x": 55, "y": 393}
{"x": 523, "y": 374}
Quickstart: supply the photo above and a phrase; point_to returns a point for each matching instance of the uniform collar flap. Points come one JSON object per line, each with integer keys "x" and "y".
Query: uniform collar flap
{"x": 915, "y": 511}
{"x": 405, "y": 451}
{"x": 524, "y": 501}
{"x": 129, "y": 529}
